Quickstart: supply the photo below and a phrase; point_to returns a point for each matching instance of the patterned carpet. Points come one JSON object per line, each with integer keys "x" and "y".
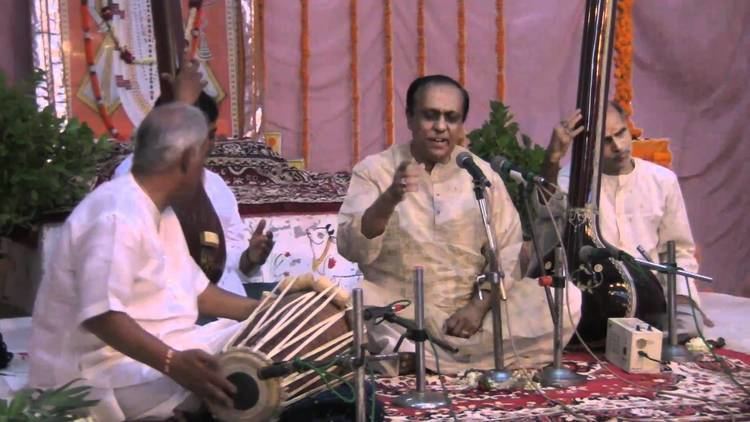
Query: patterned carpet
{"x": 699, "y": 392}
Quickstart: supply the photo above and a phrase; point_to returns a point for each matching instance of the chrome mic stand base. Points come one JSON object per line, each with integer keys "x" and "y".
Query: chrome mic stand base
{"x": 676, "y": 353}
{"x": 556, "y": 375}
{"x": 560, "y": 377}
{"x": 421, "y": 400}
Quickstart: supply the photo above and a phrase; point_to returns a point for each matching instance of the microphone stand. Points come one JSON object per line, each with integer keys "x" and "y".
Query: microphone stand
{"x": 524, "y": 192}
{"x": 419, "y": 398}
{"x": 495, "y": 276}
{"x": 556, "y": 375}
{"x": 672, "y": 351}
{"x": 358, "y": 355}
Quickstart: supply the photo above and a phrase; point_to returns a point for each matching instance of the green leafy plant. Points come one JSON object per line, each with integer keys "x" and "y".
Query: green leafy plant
{"x": 499, "y": 135}
{"x": 47, "y": 163}
{"x": 65, "y": 403}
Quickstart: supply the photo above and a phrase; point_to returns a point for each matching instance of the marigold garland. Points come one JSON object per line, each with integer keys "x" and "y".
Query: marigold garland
{"x": 623, "y": 62}
{"x": 461, "y": 45}
{"x": 86, "y": 23}
{"x": 390, "y": 135}
{"x": 421, "y": 46}
{"x": 107, "y": 13}
{"x": 192, "y": 29}
{"x": 355, "y": 79}
{"x": 305, "y": 76}
{"x": 500, "y": 48}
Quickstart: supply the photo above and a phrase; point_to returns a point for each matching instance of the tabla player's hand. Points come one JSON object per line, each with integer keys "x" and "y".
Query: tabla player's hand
{"x": 465, "y": 322}
{"x": 406, "y": 179}
{"x": 563, "y": 135}
{"x": 260, "y": 245}
{"x": 198, "y": 372}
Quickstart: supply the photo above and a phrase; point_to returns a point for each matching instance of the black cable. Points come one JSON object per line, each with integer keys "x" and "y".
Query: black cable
{"x": 643, "y": 354}
{"x": 440, "y": 378}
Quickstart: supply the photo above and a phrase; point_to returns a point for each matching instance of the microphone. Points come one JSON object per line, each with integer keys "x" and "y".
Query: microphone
{"x": 466, "y": 162}
{"x": 375, "y": 312}
{"x": 589, "y": 253}
{"x": 503, "y": 166}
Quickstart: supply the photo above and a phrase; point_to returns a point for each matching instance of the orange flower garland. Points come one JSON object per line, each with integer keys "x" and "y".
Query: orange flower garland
{"x": 500, "y": 49}
{"x": 259, "y": 54}
{"x": 305, "y": 76}
{"x": 192, "y": 30}
{"x": 421, "y": 48}
{"x": 125, "y": 55}
{"x": 623, "y": 62}
{"x": 461, "y": 47}
{"x": 390, "y": 134}
{"x": 355, "y": 79}
{"x": 86, "y": 23}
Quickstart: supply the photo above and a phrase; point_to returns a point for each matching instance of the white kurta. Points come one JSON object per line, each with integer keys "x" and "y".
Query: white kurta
{"x": 646, "y": 208}
{"x": 235, "y": 231}
{"x": 439, "y": 228}
{"x": 117, "y": 252}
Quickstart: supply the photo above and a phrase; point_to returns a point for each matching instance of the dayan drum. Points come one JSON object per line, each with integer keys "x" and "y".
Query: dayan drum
{"x": 304, "y": 317}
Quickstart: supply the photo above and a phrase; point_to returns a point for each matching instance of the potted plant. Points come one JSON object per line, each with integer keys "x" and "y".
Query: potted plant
{"x": 66, "y": 403}
{"x": 499, "y": 135}
{"x": 47, "y": 163}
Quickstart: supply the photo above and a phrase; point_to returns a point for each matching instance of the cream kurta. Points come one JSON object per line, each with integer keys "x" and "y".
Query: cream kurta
{"x": 439, "y": 228}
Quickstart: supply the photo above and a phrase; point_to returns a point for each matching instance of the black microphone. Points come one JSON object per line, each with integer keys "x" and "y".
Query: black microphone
{"x": 276, "y": 370}
{"x": 503, "y": 166}
{"x": 375, "y": 312}
{"x": 466, "y": 162}
{"x": 589, "y": 253}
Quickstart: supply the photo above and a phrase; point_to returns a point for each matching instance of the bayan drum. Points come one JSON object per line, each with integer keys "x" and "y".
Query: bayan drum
{"x": 304, "y": 318}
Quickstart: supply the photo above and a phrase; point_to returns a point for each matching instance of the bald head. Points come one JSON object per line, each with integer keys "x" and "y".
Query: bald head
{"x": 164, "y": 136}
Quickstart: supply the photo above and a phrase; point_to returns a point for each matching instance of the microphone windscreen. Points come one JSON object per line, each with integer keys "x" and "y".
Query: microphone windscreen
{"x": 498, "y": 163}
{"x": 462, "y": 158}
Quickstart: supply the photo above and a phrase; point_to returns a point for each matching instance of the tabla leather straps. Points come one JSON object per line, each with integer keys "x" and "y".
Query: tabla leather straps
{"x": 203, "y": 234}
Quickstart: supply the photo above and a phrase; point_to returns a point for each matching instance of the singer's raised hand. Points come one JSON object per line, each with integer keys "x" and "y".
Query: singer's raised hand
{"x": 406, "y": 179}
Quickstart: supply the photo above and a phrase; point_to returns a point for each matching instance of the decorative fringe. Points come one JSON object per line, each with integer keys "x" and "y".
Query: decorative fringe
{"x": 623, "y": 61}
{"x": 421, "y": 47}
{"x": 305, "y": 76}
{"x": 390, "y": 134}
{"x": 355, "y": 78}
{"x": 500, "y": 49}
{"x": 461, "y": 47}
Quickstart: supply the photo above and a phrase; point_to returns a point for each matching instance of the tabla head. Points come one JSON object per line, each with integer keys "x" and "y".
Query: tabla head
{"x": 256, "y": 399}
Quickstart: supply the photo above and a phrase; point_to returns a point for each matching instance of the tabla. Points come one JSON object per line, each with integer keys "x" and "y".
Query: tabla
{"x": 304, "y": 317}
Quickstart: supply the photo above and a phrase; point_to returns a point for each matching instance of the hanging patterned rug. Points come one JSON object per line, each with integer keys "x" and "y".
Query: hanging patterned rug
{"x": 603, "y": 397}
